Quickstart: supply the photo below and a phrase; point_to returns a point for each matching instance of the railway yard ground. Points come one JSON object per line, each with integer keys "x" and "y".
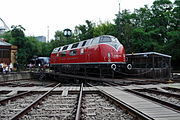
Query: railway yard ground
{"x": 26, "y": 98}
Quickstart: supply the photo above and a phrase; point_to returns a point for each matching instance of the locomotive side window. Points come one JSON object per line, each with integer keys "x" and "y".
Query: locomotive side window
{"x": 75, "y": 45}
{"x": 105, "y": 39}
{"x": 59, "y": 49}
{"x": 72, "y": 52}
{"x": 65, "y": 48}
{"x": 84, "y": 43}
{"x": 63, "y": 54}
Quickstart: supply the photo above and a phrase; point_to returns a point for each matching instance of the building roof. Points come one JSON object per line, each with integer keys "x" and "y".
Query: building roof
{"x": 148, "y": 53}
{"x": 3, "y": 43}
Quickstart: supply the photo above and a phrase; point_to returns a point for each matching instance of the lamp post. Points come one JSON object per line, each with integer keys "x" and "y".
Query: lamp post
{"x": 67, "y": 32}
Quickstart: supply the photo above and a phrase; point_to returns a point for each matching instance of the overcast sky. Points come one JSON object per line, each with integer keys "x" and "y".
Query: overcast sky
{"x": 36, "y": 15}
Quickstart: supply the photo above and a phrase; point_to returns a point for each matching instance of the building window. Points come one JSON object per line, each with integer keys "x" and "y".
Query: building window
{"x": 4, "y": 53}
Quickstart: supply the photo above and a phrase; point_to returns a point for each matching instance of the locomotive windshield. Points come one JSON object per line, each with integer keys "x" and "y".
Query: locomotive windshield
{"x": 110, "y": 40}
{"x": 105, "y": 39}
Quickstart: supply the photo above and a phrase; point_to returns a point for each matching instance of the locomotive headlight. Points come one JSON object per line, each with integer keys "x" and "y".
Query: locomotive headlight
{"x": 81, "y": 51}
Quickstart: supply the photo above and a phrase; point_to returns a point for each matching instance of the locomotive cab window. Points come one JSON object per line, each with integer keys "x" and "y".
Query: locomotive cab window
{"x": 105, "y": 39}
{"x": 65, "y": 48}
{"x": 73, "y": 52}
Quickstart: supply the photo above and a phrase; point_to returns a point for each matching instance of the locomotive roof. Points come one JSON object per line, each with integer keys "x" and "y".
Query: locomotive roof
{"x": 79, "y": 44}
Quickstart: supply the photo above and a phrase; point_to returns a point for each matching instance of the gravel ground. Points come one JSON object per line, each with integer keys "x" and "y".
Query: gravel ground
{"x": 55, "y": 107}
{"x": 95, "y": 107}
{"x": 13, "y": 107}
{"x": 164, "y": 98}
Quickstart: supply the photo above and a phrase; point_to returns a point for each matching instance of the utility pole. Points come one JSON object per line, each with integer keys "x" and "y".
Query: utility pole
{"x": 119, "y": 26}
{"x": 48, "y": 34}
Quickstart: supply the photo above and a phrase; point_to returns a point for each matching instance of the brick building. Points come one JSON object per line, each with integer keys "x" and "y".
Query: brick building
{"x": 7, "y": 52}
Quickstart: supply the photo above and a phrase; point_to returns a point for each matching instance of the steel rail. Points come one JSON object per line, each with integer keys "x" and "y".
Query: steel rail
{"x": 172, "y": 88}
{"x": 14, "y": 97}
{"x": 3, "y": 101}
{"x": 162, "y": 92}
{"x": 28, "y": 108}
{"x": 168, "y": 104}
{"x": 132, "y": 110}
{"x": 79, "y": 104}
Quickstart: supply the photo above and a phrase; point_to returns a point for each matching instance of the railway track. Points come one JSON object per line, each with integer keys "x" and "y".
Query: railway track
{"x": 49, "y": 105}
{"x": 24, "y": 83}
{"x": 96, "y": 106}
{"x": 172, "y": 90}
{"x": 65, "y": 103}
{"x": 6, "y": 96}
{"x": 12, "y": 107}
{"x": 168, "y": 99}
{"x": 110, "y": 107}
{"x": 55, "y": 106}
{"x": 15, "y": 109}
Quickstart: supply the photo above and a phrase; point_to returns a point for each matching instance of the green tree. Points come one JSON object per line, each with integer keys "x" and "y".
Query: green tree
{"x": 161, "y": 18}
{"x": 124, "y": 28}
{"x": 20, "y": 41}
{"x": 84, "y": 32}
{"x": 176, "y": 15}
{"x": 104, "y": 29}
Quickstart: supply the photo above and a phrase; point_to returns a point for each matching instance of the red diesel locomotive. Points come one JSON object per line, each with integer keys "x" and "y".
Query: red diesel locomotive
{"x": 102, "y": 54}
